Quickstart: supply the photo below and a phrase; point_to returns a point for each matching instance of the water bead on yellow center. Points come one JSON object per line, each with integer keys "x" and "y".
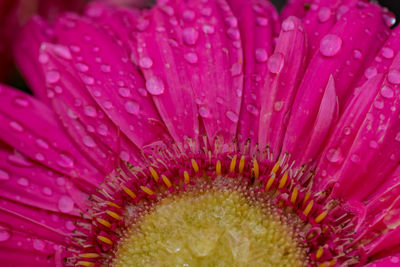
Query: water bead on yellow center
{"x": 215, "y": 227}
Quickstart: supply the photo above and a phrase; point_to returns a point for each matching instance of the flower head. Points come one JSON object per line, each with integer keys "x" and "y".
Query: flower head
{"x": 204, "y": 132}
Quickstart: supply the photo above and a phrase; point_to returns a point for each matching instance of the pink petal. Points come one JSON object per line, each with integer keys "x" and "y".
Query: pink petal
{"x": 256, "y": 25}
{"x": 285, "y": 68}
{"x": 336, "y": 50}
{"x": 390, "y": 261}
{"x": 29, "y": 126}
{"x": 26, "y": 53}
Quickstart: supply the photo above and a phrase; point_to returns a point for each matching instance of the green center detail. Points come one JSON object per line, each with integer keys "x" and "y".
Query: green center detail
{"x": 212, "y": 228}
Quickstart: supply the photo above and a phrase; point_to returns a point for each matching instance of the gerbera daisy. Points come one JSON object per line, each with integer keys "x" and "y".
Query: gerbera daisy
{"x": 204, "y": 133}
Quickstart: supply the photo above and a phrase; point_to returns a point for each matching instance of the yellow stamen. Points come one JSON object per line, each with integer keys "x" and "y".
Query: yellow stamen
{"x": 147, "y": 190}
{"x": 89, "y": 255}
{"x": 233, "y": 164}
{"x": 195, "y": 166}
{"x": 113, "y": 214}
{"x": 166, "y": 181}
{"x": 321, "y": 216}
{"x": 241, "y": 164}
{"x": 112, "y": 204}
{"x": 294, "y": 195}
{"x": 319, "y": 253}
{"x": 186, "y": 177}
{"x": 105, "y": 240}
{"x": 275, "y": 168}
{"x": 283, "y": 180}
{"x": 306, "y": 197}
{"x": 218, "y": 167}
{"x": 308, "y": 208}
{"x": 85, "y": 263}
{"x": 104, "y": 222}
{"x": 129, "y": 192}
{"x": 256, "y": 169}
{"x": 154, "y": 174}
{"x": 269, "y": 183}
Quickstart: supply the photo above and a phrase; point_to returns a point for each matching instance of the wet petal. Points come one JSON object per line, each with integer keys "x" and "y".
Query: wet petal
{"x": 389, "y": 261}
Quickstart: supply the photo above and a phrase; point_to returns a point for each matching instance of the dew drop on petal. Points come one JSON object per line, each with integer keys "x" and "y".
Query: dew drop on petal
{"x": 47, "y": 191}
{"x": 155, "y": 85}
{"x": 88, "y": 141}
{"x": 394, "y": 259}
{"x": 276, "y": 62}
{"x": 4, "y": 176}
{"x": 262, "y": 21}
{"x": 253, "y": 110}
{"x": 208, "y": 29}
{"x": 288, "y": 25}
{"x": 204, "y": 112}
{"x": 16, "y": 126}
{"x": 105, "y": 68}
{"x": 124, "y": 92}
{"x": 132, "y": 107}
{"x": 65, "y": 161}
{"x": 38, "y": 245}
{"x": 261, "y": 55}
{"x": 22, "y": 181}
{"x": 330, "y": 45}
{"x": 233, "y": 33}
{"x": 90, "y": 111}
{"x": 191, "y": 57}
{"x": 82, "y": 67}
{"x": 232, "y": 116}
{"x": 397, "y": 138}
{"x": 188, "y": 15}
{"x": 88, "y": 80}
{"x": 52, "y": 76}
{"x": 370, "y": 72}
{"x": 65, "y": 204}
{"x": 355, "y": 158}
{"x": 394, "y": 76}
{"x": 5, "y": 232}
{"x": 145, "y": 62}
{"x": 357, "y": 54}
{"x": 387, "y": 52}
{"x": 21, "y": 102}
{"x": 324, "y": 14}
{"x": 190, "y": 35}
{"x": 334, "y": 155}
{"x": 236, "y": 69}
{"x": 387, "y": 92}
{"x": 373, "y": 144}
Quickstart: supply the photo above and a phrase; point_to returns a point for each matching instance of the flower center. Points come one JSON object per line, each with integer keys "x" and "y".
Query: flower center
{"x": 211, "y": 228}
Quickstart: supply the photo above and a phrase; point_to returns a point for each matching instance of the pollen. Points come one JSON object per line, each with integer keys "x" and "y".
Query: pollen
{"x": 210, "y": 228}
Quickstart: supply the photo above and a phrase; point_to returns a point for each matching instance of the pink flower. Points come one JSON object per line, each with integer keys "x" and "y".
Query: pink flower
{"x": 130, "y": 106}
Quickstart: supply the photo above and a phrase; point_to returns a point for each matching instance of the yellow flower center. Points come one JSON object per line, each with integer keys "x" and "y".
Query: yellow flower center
{"x": 210, "y": 228}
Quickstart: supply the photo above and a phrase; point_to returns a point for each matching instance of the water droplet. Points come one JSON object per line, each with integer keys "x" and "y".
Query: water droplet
{"x": 90, "y": 111}
{"x": 142, "y": 24}
{"x": 208, "y": 29}
{"x": 82, "y": 67}
{"x": 288, "y": 25}
{"x": 236, "y": 69}
{"x": 19, "y": 160}
{"x": 16, "y": 126}
{"x": 65, "y": 204}
{"x": 188, "y": 15}
{"x": 347, "y": 131}
{"x": 155, "y": 85}
{"x": 124, "y": 92}
{"x": 190, "y": 35}
{"x": 370, "y": 72}
{"x": 231, "y": 22}
{"x": 88, "y": 141}
{"x": 357, "y": 54}
{"x": 38, "y": 245}
{"x": 330, "y": 45}
{"x": 253, "y": 110}
{"x": 324, "y": 14}
{"x": 355, "y": 158}
{"x": 108, "y": 105}
{"x": 62, "y": 51}
{"x": 88, "y": 80}
{"x": 379, "y": 104}
{"x": 334, "y": 155}
{"x": 341, "y": 11}
{"x": 5, "y": 232}
{"x": 278, "y": 105}
{"x": 132, "y": 107}
{"x": 394, "y": 259}
{"x": 52, "y": 76}
{"x": 23, "y": 182}
{"x": 233, "y": 33}
{"x": 43, "y": 58}
{"x": 70, "y": 226}
{"x": 261, "y": 21}
{"x": 4, "y": 176}
{"x": 261, "y": 55}
{"x": 394, "y": 76}
{"x": 206, "y": 11}
{"x": 373, "y": 144}
{"x": 389, "y": 19}
{"x": 145, "y": 62}
{"x": 204, "y": 112}
{"x": 65, "y": 161}
{"x": 387, "y": 92}
{"x": 397, "y": 138}
{"x": 39, "y": 157}
{"x": 105, "y": 68}
{"x": 47, "y": 191}
{"x": 232, "y": 116}
{"x": 191, "y": 57}
{"x": 387, "y": 52}
{"x": 276, "y": 62}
